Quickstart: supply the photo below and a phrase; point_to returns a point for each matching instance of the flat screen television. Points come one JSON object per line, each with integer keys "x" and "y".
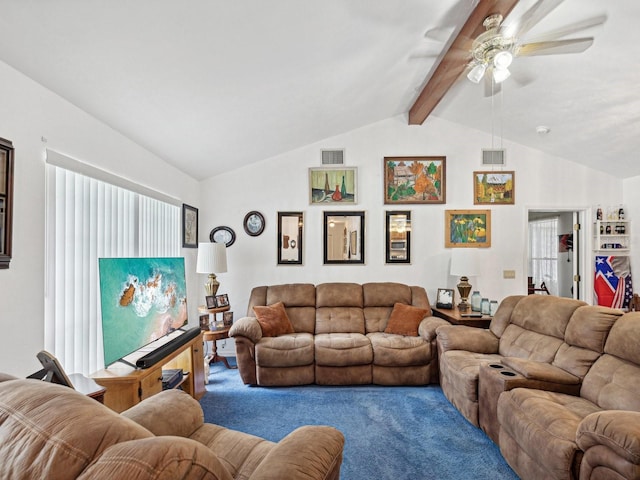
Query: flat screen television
{"x": 142, "y": 300}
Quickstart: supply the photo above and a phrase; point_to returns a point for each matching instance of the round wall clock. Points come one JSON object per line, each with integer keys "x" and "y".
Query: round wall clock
{"x": 224, "y": 235}
{"x": 253, "y": 223}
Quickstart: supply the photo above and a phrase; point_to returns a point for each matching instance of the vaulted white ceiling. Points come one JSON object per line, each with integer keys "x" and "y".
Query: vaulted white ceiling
{"x": 211, "y": 85}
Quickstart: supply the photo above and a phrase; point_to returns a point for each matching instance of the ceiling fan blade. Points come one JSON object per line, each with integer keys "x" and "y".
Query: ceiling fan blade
{"x": 454, "y": 61}
{"x": 570, "y": 29}
{"x": 575, "y": 45}
{"x": 530, "y": 18}
{"x": 439, "y": 34}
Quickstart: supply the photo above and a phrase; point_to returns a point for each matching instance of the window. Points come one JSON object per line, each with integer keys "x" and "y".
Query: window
{"x": 543, "y": 260}
{"x": 88, "y": 219}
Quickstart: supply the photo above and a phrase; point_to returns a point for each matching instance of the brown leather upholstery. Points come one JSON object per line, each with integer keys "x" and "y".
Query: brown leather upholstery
{"x": 546, "y": 339}
{"x": 594, "y": 435}
{"x": 345, "y": 324}
{"x": 51, "y": 431}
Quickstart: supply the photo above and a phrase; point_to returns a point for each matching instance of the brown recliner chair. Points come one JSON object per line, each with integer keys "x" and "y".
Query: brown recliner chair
{"x": 53, "y": 431}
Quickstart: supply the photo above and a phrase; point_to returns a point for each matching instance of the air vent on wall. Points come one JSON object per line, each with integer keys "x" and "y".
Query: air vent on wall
{"x": 333, "y": 157}
{"x": 493, "y": 157}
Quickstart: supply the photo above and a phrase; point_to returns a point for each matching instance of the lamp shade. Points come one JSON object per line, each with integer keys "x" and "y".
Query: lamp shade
{"x": 212, "y": 258}
{"x": 464, "y": 262}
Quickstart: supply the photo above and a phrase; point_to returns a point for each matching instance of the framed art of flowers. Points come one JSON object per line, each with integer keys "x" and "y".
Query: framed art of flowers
{"x": 467, "y": 228}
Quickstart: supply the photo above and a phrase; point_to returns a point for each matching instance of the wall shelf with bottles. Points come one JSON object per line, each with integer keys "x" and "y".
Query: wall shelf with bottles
{"x": 611, "y": 230}
{"x": 611, "y": 236}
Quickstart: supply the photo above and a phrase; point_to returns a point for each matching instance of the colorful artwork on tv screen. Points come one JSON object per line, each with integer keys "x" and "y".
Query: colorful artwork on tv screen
{"x": 142, "y": 300}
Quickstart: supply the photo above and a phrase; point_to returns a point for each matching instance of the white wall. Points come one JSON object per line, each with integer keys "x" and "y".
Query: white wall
{"x": 281, "y": 183}
{"x": 29, "y": 112}
{"x": 631, "y": 189}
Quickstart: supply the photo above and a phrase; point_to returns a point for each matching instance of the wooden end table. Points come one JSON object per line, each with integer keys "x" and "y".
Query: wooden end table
{"x": 87, "y": 386}
{"x": 454, "y": 317}
{"x": 213, "y": 336}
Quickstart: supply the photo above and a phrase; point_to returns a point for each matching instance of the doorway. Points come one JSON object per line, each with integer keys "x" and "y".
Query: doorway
{"x": 555, "y": 258}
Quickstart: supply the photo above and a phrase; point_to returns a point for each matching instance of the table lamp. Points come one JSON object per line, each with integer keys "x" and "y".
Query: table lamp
{"x": 212, "y": 258}
{"x": 464, "y": 265}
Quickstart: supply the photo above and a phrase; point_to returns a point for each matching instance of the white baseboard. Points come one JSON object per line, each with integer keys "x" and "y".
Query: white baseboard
{"x": 226, "y": 347}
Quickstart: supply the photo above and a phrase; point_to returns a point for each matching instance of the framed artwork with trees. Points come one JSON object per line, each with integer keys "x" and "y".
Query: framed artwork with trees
{"x": 494, "y": 188}
{"x": 414, "y": 180}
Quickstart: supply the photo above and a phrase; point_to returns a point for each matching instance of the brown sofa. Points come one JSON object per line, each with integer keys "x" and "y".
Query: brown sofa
{"x": 338, "y": 337}
{"x": 595, "y": 435}
{"x": 51, "y": 431}
{"x": 553, "y": 381}
{"x": 534, "y": 341}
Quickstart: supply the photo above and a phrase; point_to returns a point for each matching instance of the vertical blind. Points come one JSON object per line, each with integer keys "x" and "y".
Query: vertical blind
{"x": 88, "y": 219}
{"x": 543, "y": 260}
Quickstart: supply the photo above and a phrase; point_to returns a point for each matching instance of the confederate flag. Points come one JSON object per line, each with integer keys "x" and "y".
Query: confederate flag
{"x": 612, "y": 283}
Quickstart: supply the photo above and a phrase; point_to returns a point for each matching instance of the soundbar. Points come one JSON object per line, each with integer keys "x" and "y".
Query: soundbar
{"x": 159, "y": 353}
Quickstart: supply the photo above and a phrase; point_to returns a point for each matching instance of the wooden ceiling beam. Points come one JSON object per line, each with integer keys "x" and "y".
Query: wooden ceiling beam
{"x": 456, "y": 59}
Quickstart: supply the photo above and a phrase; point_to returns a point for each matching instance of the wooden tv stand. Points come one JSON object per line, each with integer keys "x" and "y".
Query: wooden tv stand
{"x": 127, "y": 386}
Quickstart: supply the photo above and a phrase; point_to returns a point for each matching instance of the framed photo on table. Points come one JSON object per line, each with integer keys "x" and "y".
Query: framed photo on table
{"x": 204, "y": 321}
{"x": 211, "y": 301}
{"x": 444, "y": 298}
{"x": 222, "y": 300}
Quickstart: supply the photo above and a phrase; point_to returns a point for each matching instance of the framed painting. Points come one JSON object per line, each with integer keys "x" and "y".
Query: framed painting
{"x": 414, "y": 180}
{"x": 398, "y": 236}
{"x": 290, "y": 238}
{"x": 467, "y": 228}
{"x": 494, "y": 188}
{"x": 343, "y": 238}
{"x": 189, "y": 226}
{"x": 333, "y": 185}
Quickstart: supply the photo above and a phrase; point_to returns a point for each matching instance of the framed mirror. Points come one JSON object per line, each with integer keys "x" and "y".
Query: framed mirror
{"x": 6, "y": 201}
{"x": 398, "y": 236}
{"x": 290, "y": 238}
{"x": 343, "y": 238}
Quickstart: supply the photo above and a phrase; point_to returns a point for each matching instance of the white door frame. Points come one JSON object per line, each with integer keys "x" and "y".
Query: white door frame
{"x": 582, "y": 258}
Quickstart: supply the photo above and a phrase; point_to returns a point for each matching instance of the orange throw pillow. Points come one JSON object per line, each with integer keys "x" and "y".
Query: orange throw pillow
{"x": 273, "y": 320}
{"x": 405, "y": 319}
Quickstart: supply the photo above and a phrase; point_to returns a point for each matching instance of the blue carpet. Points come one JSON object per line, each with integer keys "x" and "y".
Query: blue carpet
{"x": 390, "y": 432}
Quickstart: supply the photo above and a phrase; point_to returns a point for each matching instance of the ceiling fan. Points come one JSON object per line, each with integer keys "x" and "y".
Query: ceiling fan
{"x": 485, "y": 47}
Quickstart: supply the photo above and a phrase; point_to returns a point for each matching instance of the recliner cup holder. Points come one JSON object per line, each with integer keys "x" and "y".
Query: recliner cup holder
{"x": 507, "y": 373}
{"x": 496, "y": 365}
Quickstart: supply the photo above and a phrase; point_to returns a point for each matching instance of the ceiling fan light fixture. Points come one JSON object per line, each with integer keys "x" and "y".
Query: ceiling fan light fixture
{"x": 477, "y": 72}
{"x": 500, "y": 74}
{"x": 503, "y": 59}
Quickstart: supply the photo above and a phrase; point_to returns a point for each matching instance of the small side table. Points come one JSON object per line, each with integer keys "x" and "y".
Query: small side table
{"x": 213, "y": 336}
{"x": 454, "y": 317}
{"x": 87, "y": 386}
